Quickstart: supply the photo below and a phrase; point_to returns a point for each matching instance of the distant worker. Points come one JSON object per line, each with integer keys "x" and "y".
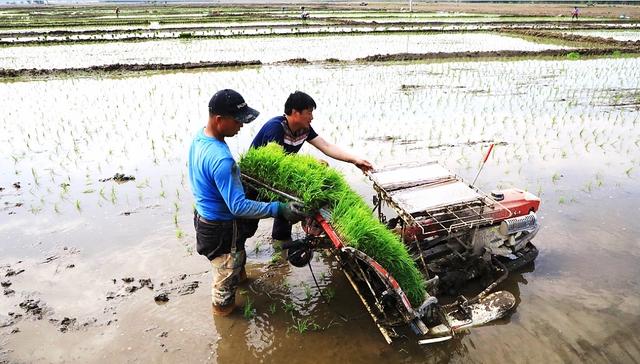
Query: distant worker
{"x": 304, "y": 14}
{"x": 117, "y": 12}
{"x": 291, "y": 130}
{"x": 220, "y": 203}
{"x": 575, "y": 13}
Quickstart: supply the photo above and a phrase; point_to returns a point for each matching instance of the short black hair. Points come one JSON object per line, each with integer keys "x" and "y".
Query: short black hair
{"x": 298, "y": 101}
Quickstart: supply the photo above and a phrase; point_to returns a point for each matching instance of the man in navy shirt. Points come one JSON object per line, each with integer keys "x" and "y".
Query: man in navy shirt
{"x": 220, "y": 203}
{"x": 291, "y": 130}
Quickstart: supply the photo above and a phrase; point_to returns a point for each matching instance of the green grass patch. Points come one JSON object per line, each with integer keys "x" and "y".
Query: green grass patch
{"x": 573, "y": 56}
{"x": 321, "y": 186}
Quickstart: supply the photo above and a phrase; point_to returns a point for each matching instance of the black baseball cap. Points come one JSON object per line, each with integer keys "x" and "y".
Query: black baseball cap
{"x": 230, "y": 103}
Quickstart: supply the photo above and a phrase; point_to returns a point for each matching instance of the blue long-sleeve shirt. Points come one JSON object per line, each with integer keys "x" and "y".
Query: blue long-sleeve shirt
{"x": 216, "y": 186}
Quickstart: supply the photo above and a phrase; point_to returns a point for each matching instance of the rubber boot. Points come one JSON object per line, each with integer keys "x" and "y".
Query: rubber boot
{"x": 224, "y": 310}
{"x": 242, "y": 277}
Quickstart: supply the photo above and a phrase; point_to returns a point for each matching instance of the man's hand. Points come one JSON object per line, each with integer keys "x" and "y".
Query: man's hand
{"x": 292, "y": 211}
{"x": 364, "y": 165}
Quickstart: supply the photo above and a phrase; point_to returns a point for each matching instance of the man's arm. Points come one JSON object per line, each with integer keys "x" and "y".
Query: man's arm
{"x": 227, "y": 178}
{"x": 336, "y": 152}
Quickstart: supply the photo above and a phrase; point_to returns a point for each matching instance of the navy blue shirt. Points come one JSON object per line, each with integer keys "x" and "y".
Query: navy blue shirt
{"x": 277, "y": 130}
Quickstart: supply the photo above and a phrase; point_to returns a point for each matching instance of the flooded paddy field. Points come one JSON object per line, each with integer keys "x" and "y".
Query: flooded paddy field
{"x": 622, "y": 35}
{"x": 265, "y": 49}
{"x": 96, "y": 210}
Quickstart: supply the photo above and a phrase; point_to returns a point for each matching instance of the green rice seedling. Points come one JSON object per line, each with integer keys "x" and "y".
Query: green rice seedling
{"x": 275, "y": 258}
{"x": 329, "y": 293}
{"x": 320, "y": 186}
{"x": 305, "y": 325}
{"x": 77, "y": 205}
{"x": 288, "y": 306}
{"x": 628, "y": 171}
{"x": 248, "y": 310}
{"x": 257, "y": 247}
{"x": 285, "y": 284}
{"x": 35, "y": 177}
{"x": 143, "y": 184}
{"x": 272, "y": 308}
{"x": 307, "y": 291}
{"x": 179, "y": 233}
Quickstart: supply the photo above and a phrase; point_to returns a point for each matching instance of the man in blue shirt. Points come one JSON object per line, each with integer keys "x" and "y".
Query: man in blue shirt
{"x": 220, "y": 202}
{"x": 291, "y": 130}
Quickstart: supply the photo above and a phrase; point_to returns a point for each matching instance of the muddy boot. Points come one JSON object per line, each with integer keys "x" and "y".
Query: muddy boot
{"x": 223, "y": 310}
{"x": 242, "y": 276}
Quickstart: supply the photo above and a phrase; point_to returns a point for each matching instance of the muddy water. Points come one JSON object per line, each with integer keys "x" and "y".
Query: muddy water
{"x": 567, "y": 132}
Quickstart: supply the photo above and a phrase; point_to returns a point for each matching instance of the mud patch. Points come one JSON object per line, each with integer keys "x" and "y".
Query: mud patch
{"x": 574, "y": 37}
{"x": 294, "y": 61}
{"x": 13, "y": 272}
{"x": 393, "y": 139}
{"x": 118, "y": 177}
{"x": 175, "y": 286}
{"x": 411, "y": 87}
{"x": 493, "y": 54}
{"x": 34, "y": 308}
{"x": 118, "y": 67}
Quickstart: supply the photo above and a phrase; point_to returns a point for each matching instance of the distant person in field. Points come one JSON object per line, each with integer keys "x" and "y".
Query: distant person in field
{"x": 291, "y": 130}
{"x": 304, "y": 14}
{"x": 575, "y": 13}
{"x": 117, "y": 12}
{"x": 221, "y": 208}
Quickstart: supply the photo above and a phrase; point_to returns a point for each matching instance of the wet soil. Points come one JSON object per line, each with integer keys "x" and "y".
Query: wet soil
{"x": 32, "y": 306}
{"x": 118, "y": 177}
{"x": 494, "y": 54}
{"x": 124, "y": 68}
{"x": 157, "y": 309}
{"x": 628, "y": 47}
{"x": 576, "y": 38}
